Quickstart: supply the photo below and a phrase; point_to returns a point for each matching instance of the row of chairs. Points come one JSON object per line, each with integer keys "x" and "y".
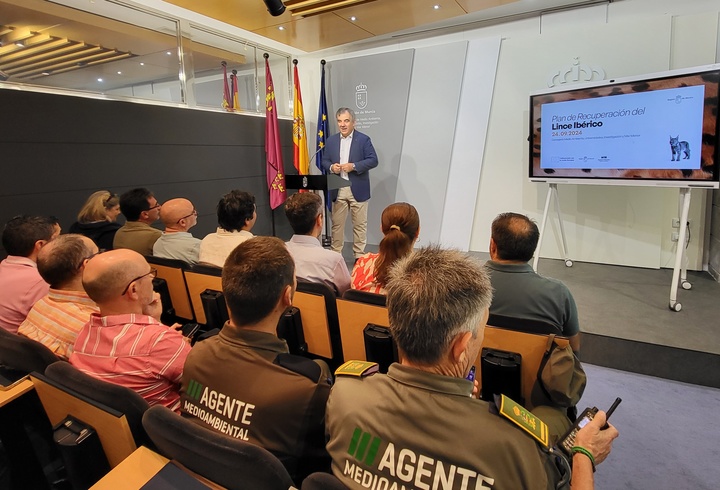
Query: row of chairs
{"x": 124, "y": 421}
{"x": 334, "y": 328}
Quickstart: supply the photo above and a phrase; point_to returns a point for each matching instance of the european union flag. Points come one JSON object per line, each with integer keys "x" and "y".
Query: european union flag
{"x": 322, "y": 124}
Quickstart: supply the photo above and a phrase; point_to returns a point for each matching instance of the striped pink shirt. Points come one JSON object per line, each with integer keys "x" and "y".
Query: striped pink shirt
{"x": 135, "y": 351}
{"x": 56, "y": 319}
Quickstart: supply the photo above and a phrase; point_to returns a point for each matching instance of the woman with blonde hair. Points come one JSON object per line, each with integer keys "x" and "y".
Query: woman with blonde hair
{"x": 400, "y": 224}
{"x": 96, "y": 219}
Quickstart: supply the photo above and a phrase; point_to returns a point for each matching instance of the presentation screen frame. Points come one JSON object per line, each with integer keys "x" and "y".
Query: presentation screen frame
{"x": 703, "y": 146}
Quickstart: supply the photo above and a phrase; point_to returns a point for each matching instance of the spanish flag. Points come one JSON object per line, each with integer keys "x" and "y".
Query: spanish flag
{"x": 300, "y": 159}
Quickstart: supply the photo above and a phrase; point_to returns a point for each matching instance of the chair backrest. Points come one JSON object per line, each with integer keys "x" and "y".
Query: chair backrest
{"x": 230, "y": 462}
{"x": 199, "y": 278}
{"x": 318, "y": 310}
{"x": 365, "y": 297}
{"x": 322, "y": 481}
{"x": 117, "y": 397}
{"x": 529, "y": 345}
{"x": 172, "y": 271}
{"x": 353, "y": 318}
{"x": 24, "y": 355}
{"x": 522, "y": 324}
{"x": 112, "y": 427}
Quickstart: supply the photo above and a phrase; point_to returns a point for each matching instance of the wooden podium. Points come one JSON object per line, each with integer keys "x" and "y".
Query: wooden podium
{"x": 325, "y": 183}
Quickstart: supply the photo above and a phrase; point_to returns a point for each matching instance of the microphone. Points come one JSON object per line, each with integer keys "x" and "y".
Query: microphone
{"x": 314, "y": 155}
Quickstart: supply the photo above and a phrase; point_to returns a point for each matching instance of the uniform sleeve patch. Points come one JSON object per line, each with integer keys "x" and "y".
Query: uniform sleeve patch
{"x": 522, "y": 417}
{"x": 357, "y": 369}
{"x": 300, "y": 365}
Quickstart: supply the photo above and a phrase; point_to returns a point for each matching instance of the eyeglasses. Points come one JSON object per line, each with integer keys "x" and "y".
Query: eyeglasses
{"x": 194, "y": 213}
{"x": 158, "y": 205}
{"x": 85, "y": 259}
{"x": 152, "y": 273}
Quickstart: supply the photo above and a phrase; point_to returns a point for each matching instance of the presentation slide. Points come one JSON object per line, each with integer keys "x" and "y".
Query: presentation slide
{"x": 659, "y": 129}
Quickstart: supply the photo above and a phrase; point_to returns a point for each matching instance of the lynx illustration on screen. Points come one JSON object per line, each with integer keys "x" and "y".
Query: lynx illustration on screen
{"x": 678, "y": 148}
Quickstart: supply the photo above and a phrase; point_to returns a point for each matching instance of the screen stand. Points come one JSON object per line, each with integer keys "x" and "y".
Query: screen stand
{"x": 679, "y": 277}
{"x": 552, "y": 192}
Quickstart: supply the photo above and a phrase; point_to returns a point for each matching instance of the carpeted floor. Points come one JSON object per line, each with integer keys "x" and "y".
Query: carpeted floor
{"x": 668, "y": 434}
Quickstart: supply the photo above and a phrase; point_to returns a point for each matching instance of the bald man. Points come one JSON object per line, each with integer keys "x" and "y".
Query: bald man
{"x": 124, "y": 344}
{"x": 56, "y": 319}
{"x": 179, "y": 215}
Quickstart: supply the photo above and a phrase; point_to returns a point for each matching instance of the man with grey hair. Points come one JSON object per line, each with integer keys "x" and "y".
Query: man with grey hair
{"x": 349, "y": 154}
{"x": 420, "y": 424}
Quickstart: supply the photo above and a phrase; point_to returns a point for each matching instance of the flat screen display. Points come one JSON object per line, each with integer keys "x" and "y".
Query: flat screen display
{"x": 660, "y": 129}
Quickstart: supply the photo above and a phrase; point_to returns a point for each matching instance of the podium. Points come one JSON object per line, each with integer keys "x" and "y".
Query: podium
{"x": 325, "y": 183}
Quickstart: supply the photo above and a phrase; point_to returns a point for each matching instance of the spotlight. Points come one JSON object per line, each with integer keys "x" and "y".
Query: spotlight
{"x": 275, "y": 7}
{"x": 3, "y": 76}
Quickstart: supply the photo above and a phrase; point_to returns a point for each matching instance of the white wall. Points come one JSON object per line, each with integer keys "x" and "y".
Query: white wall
{"x": 616, "y": 225}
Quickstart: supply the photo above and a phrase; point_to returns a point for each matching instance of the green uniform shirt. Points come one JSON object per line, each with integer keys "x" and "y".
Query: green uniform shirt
{"x": 415, "y": 430}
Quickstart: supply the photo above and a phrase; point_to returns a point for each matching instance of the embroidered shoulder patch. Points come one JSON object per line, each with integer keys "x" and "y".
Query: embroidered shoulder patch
{"x": 522, "y": 417}
{"x": 357, "y": 368}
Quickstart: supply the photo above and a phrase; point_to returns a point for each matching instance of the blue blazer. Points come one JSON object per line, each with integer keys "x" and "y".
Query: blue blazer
{"x": 362, "y": 154}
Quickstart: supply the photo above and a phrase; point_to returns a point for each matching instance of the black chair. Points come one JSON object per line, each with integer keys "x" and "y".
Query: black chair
{"x": 331, "y": 313}
{"x": 232, "y": 463}
{"x": 365, "y": 297}
{"x": 322, "y": 481}
{"x": 177, "y": 307}
{"x": 117, "y": 397}
{"x": 20, "y": 355}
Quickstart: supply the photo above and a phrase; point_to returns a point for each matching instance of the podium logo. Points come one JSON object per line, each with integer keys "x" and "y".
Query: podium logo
{"x": 361, "y": 96}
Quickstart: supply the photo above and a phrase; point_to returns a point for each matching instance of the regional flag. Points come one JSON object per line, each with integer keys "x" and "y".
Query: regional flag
{"x": 275, "y": 172}
{"x": 300, "y": 158}
{"x": 235, "y": 97}
{"x": 226, "y": 102}
{"x": 322, "y": 124}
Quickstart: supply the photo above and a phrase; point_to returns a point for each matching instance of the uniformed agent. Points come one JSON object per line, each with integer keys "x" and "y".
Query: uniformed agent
{"x": 419, "y": 426}
{"x": 243, "y": 382}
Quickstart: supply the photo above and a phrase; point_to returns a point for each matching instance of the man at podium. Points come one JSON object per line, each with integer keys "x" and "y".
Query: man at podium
{"x": 349, "y": 154}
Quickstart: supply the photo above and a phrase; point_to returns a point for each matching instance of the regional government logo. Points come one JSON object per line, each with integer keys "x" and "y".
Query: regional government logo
{"x": 361, "y": 96}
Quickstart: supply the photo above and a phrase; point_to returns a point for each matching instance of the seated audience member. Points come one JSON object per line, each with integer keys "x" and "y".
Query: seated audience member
{"x": 270, "y": 397}
{"x": 304, "y": 211}
{"x": 140, "y": 209}
{"x": 400, "y": 225}
{"x": 236, "y": 217}
{"x": 20, "y": 282}
{"x": 176, "y": 242}
{"x": 519, "y": 291}
{"x": 421, "y": 420}
{"x": 56, "y": 319}
{"x": 97, "y": 219}
{"x": 125, "y": 344}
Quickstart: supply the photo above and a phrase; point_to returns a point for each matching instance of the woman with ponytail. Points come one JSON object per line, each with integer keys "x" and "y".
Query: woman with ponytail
{"x": 400, "y": 225}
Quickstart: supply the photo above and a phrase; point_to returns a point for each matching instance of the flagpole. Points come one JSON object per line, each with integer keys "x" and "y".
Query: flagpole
{"x": 272, "y": 211}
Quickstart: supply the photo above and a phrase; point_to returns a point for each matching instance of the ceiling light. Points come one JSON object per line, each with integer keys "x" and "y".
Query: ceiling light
{"x": 46, "y": 73}
{"x": 100, "y": 79}
{"x": 169, "y": 53}
{"x": 436, "y": 7}
{"x": 142, "y": 64}
{"x": 119, "y": 73}
{"x": 353, "y": 18}
{"x": 20, "y": 44}
{"x": 281, "y": 28}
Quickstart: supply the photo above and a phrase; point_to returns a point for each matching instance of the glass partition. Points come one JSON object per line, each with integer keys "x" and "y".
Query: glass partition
{"x": 117, "y": 48}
